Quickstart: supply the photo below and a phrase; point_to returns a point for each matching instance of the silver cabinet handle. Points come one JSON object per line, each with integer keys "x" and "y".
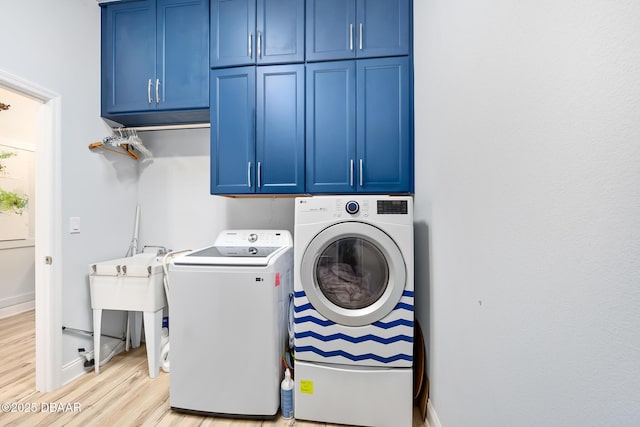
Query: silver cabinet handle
{"x": 259, "y": 173}
{"x": 361, "y": 172}
{"x": 351, "y": 173}
{"x": 157, "y": 91}
{"x": 350, "y": 36}
{"x": 250, "y": 45}
{"x": 361, "y": 36}
{"x": 259, "y": 45}
{"x": 249, "y": 174}
{"x": 149, "y": 91}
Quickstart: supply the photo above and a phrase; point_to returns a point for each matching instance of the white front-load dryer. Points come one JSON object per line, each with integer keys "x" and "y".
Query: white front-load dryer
{"x": 354, "y": 309}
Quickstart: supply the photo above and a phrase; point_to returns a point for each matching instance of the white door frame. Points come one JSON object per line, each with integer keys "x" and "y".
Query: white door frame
{"x": 48, "y": 287}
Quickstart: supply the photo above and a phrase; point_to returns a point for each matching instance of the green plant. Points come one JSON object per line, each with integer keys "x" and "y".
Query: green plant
{"x": 5, "y": 155}
{"x": 13, "y": 202}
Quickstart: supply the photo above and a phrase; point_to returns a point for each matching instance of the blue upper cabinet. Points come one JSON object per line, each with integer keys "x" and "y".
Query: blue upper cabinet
{"x": 155, "y": 59}
{"x": 257, "y": 130}
{"x": 233, "y": 109}
{"x": 183, "y": 42}
{"x": 330, "y": 29}
{"x": 383, "y": 28}
{"x": 245, "y": 32}
{"x": 331, "y": 127}
{"x": 280, "y": 31}
{"x": 358, "y": 126}
{"x": 233, "y": 32}
{"x": 384, "y": 126}
{"x": 280, "y": 129}
{"x": 128, "y": 56}
{"x": 343, "y": 29}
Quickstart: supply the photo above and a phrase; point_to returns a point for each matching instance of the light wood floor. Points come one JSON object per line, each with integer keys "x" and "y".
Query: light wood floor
{"x": 121, "y": 395}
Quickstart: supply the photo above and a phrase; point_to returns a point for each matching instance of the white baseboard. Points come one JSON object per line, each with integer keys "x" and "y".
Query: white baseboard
{"x": 432, "y": 417}
{"x": 21, "y": 243}
{"x": 12, "y": 310}
{"x": 74, "y": 370}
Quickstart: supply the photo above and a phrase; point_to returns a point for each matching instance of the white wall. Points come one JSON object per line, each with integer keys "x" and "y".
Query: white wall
{"x": 56, "y": 45}
{"x": 177, "y": 209}
{"x": 17, "y": 285}
{"x": 528, "y": 130}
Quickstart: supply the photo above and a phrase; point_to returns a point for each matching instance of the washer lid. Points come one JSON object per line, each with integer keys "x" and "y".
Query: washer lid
{"x": 258, "y": 256}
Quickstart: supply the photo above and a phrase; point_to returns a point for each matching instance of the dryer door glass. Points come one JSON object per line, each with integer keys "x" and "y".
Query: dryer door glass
{"x": 352, "y": 273}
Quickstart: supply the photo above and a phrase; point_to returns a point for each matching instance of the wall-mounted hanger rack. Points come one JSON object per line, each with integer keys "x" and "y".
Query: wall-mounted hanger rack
{"x": 163, "y": 127}
{"x": 125, "y": 140}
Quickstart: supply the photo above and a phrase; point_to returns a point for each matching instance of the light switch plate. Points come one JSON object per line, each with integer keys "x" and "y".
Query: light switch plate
{"x": 74, "y": 224}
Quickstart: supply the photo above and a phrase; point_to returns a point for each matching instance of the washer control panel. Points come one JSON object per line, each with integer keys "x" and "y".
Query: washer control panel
{"x": 253, "y": 238}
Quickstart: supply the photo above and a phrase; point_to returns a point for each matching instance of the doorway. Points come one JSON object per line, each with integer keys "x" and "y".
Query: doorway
{"x": 48, "y": 292}
{"x": 18, "y": 143}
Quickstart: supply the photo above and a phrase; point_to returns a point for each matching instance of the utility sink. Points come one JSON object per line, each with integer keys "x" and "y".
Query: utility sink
{"x": 133, "y": 284}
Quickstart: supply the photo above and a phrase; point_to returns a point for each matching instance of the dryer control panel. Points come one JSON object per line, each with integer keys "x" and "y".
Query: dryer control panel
{"x": 390, "y": 209}
{"x": 352, "y": 207}
{"x": 386, "y": 207}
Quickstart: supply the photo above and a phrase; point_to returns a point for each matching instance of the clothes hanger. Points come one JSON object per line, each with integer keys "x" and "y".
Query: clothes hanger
{"x": 111, "y": 143}
{"x": 127, "y": 149}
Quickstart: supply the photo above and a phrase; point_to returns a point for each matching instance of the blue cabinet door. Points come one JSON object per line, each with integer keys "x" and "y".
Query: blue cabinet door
{"x": 257, "y": 130}
{"x": 383, "y": 28}
{"x": 233, "y": 130}
{"x": 280, "y": 129}
{"x": 182, "y": 75}
{"x": 154, "y": 60}
{"x": 279, "y": 31}
{"x": 331, "y": 127}
{"x": 343, "y": 29}
{"x": 128, "y": 56}
{"x": 259, "y": 32}
{"x": 383, "y": 126}
{"x": 330, "y": 29}
{"x": 233, "y": 36}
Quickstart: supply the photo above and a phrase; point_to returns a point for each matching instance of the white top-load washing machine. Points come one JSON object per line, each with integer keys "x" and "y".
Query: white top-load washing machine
{"x": 227, "y": 317}
{"x": 354, "y": 309}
